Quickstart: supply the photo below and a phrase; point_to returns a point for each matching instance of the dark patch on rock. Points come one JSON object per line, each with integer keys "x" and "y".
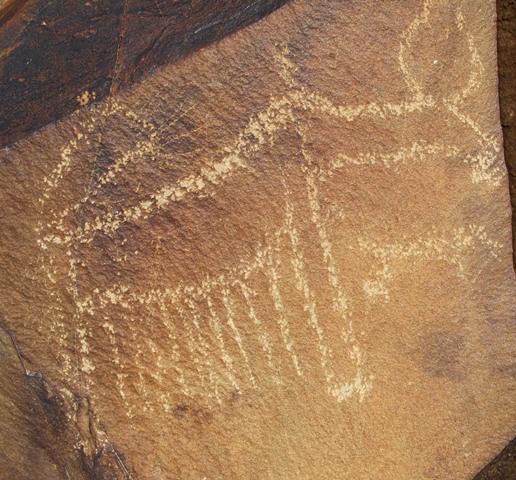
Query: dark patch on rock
{"x": 506, "y": 31}
{"x": 58, "y": 55}
{"x": 55, "y": 435}
{"x": 502, "y": 467}
{"x": 442, "y": 355}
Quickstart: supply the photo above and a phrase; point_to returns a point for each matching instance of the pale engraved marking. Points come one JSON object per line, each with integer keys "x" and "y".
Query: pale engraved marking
{"x": 308, "y": 295}
{"x": 407, "y": 37}
{"x": 230, "y": 315}
{"x": 417, "y": 151}
{"x": 449, "y": 247}
{"x": 361, "y": 385}
{"x": 272, "y": 262}
{"x": 483, "y": 164}
{"x": 217, "y": 329}
{"x": 203, "y": 348}
{"x": 263, "y": 337}
{"x": 142, "y": 149}
{"x": 172, "y": 336}
{"x": 193, "y": 348}
{"x": 140, "y": 384}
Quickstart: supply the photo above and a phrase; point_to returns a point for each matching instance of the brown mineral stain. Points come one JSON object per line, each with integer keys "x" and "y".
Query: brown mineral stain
{"x": 442, "y": 352}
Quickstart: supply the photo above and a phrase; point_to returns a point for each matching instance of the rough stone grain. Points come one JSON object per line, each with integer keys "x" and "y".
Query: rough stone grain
{"x": 286, "y": 256}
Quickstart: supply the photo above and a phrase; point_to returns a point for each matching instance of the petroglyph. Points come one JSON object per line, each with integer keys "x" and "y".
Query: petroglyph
{"x": 262, "y": 333}
{"x": 308, "y": 294}
{"x": 246, "y": 263}
{"x": 272, "y": 263}
{"x": 230, "y": 312}
{"x": 434, "y": 248}
{"x": 209, "y": 323}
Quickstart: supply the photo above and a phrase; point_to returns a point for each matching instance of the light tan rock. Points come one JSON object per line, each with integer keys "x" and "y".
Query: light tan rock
{"x": 287, "y": 256}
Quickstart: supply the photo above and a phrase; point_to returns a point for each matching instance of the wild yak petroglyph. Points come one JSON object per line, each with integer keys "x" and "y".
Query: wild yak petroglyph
{"x": 210, "y": 323}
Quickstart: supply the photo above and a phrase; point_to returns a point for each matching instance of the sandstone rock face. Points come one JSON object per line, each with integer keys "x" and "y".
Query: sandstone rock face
{"x": 287, "y": 256}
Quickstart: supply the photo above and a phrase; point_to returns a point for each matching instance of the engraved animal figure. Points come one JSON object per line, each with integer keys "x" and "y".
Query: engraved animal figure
{"x": 218, "y": 324}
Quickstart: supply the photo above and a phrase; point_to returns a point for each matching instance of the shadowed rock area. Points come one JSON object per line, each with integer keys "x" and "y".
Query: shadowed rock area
{"x": 60, "y": 55}
{"x": 506, "y": 10}
{"x": 286, "y": 255}
{"x": 503, "y": 467}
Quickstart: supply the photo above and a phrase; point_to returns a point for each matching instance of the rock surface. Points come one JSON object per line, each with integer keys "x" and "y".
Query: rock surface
{"x": 285, "y": 256}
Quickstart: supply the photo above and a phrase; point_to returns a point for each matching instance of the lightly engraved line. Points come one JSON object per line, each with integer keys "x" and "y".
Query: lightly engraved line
{"x": 226, "y": 358}
{"x": 483, "y": 162}
{"x": 203, "y": 347}
{"x": 263, "y": 337}
{"x": 193, "y": 347}
{"x": 437, "y": 246}
{"x": 272, "y": 262}
{"x": 302, "y": 286}
{"x": 230, "y": 316}
{"x": 340, "y": 305}
{"x": 172, "y": 335}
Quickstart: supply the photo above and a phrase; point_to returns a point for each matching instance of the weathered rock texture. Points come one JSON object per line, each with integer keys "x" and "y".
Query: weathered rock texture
{"x": 285, "y": 256}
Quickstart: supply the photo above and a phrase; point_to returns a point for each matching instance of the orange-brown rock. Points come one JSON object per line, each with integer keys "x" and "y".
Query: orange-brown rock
{"x": 286, "y": 256}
